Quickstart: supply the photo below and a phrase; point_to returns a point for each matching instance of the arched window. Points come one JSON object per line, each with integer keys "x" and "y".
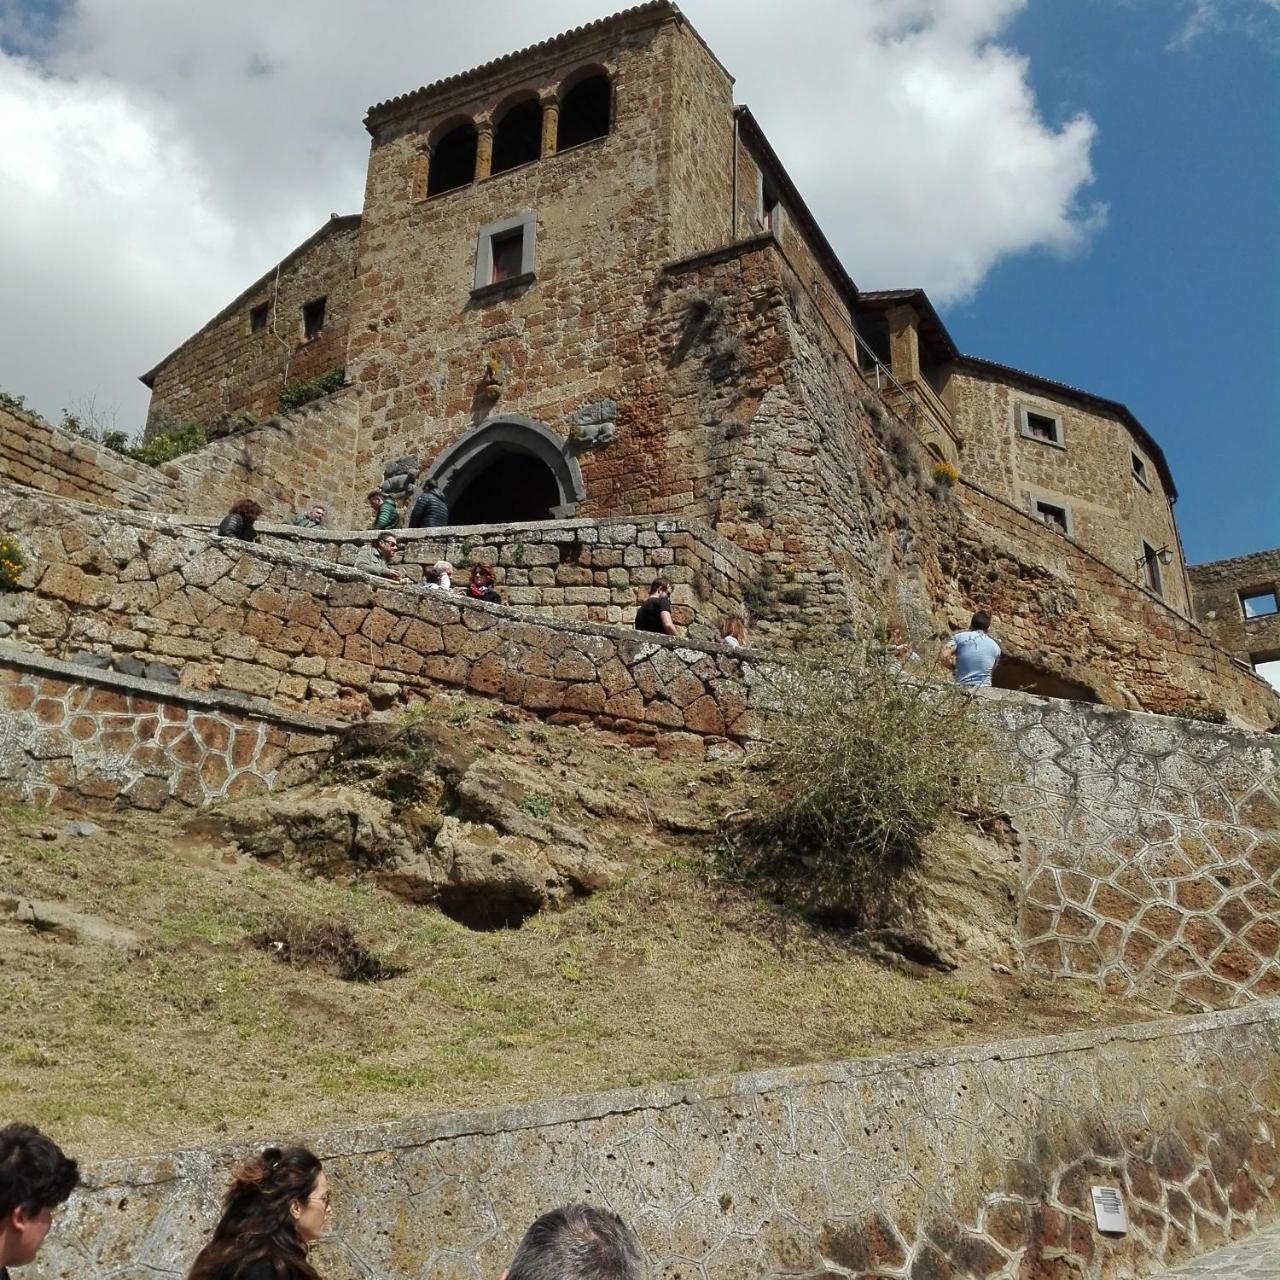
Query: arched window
{"x": 453, "y": 160}
{"x": 517, "y": 139}
{"x": 584, "y": 112}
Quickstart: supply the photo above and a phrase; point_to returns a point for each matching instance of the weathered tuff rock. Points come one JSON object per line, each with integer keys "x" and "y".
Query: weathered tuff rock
{"x": 406, "y": 808}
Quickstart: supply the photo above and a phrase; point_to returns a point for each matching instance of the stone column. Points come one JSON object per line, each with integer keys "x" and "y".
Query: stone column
{"x": 484, "y": 147}
{"x": 904, "y": 352}
{"x": 550, "y": 123}
{"x": 421, "y": 173}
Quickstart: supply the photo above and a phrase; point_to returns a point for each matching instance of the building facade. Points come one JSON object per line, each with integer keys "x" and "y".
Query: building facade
{"x": 583, "y": 284}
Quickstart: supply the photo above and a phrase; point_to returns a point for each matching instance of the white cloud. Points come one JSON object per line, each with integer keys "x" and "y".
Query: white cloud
{"x": 1256, "y": 19}
{"x": 159, "y": 157}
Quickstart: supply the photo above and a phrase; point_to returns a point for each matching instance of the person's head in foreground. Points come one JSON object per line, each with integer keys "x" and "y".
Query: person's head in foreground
{"x": 35, "y": 1177}
{"x": 577, "y": 1242}
{"x": 274, "y": 1208}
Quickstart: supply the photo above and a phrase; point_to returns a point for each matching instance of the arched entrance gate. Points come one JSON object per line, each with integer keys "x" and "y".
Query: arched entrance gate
{"x": 509, "y": 468}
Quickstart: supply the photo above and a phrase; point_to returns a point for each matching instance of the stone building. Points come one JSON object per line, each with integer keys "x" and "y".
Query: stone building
{"x": 1238, "y": 600}
{"x": 583, "y": 284}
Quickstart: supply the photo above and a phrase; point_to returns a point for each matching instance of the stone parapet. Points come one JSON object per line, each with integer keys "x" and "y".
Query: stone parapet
{"x": 573, "y": 570}
{"x": 70, "y": 733}
{"x": 973, "y": 1161}
{"x": 41, "y": 456}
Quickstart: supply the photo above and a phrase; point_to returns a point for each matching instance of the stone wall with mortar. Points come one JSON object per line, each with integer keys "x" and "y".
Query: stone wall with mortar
{"x": 316, "y": 637}
{"x": 284, "y": 463}
{"x": 229, "y": 368}
{"x": 95, "y": 737}
{"x": 1217, "y": 587}
{"x": 1091, "y": 474}
{"x": 1150, "y": 848}
{"x": 39, "y": 455}
{"x": 574, "y": 570}
{"x": 1060, "y": 611}
{"x": 966, "y": 1162}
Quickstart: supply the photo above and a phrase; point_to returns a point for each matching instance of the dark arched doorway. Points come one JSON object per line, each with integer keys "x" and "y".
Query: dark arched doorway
{"x": 509, "y": 469}
{"x": 510, "y": 488}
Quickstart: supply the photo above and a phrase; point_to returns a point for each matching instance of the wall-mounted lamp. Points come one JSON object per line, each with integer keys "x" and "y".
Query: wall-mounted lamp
{"x": 1164, "y": 555}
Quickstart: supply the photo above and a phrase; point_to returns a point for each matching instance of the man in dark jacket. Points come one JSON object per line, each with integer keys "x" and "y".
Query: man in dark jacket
{"x": 431, "y": 510}
{"x": 35, "y": 1178}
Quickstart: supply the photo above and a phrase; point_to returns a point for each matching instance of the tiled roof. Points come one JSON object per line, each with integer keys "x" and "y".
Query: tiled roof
{"x": 654, "y": 9}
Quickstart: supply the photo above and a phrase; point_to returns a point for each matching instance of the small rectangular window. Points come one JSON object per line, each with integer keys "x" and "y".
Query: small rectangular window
{"x": 258, "y": 316}
{"x": 1150, "y": 563}
{"x": 769, "y": 207}
{"x": 508, "y": 249}
{"x": 1041, "y": 426}
{"x": 505, "y": 253}
{"x": 1259, "y": 603}
{"x": 1139, "y": 470}
{"x": 312, "y": 319}
{"x": 1048, "y": 513}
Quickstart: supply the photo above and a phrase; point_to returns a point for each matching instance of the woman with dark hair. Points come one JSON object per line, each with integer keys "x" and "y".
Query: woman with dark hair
{"x": 481, "y": 587}
{"x": 275, "y": 1207}
{"x": 238, "y": 522}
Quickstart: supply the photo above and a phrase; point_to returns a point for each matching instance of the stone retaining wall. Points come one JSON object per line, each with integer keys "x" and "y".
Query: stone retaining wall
{"x": 574, "y": 570}
{"x": 967, "y": 1162}
{"x": 315, "y": 637}
{"x": 1151, "y": 850}
{"x": 285, "y": 464}
{"x": 68, "y": 733}
{"x": 39, "y": 455}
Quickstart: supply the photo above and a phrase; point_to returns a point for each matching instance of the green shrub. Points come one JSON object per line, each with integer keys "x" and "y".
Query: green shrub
{"x": 15, "y": 404}
{"x": 862, "y": 765}
{"x": 1209, "y": 715}
{"x": 757, "y": 592}
{"x": 303, "y": 390}
{"x": 13, "y": 560}
{"x": 169, "y": 444}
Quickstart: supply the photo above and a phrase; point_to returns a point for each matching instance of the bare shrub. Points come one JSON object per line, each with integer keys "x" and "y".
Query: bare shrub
{"x": 863, "y": 763}
{"x": 324, "y": 944}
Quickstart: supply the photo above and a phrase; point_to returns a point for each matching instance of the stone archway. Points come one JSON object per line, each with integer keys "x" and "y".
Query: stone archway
{"x": 508, "y": 468}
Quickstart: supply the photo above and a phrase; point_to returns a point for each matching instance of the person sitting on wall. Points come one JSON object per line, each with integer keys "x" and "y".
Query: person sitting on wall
{"x": 375, "y": 558}
{"x": 577, "y": 1242}
{"x": 311, "y": 518}
{"x": 481, "y": 587}
{"x": 733, "y": 633}
{"x": 238, "y": 522}
{"x": 899, "y": 648}
{"x": 431, "y": 510}
{"x": 655, "y": 613}
{"x": 274, "y": 1209}
{"x": 35, "y": 1177}
{"x": 383, "y": 506}
{"x": 972, "y": 654}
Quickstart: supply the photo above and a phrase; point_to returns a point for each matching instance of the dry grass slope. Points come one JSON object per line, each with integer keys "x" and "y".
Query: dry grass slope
{"x": 173, "y": 1023}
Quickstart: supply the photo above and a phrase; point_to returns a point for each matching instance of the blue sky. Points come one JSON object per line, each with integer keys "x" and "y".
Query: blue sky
{"x": 1174, "y": 308}
{"x": 1086, "y": 188}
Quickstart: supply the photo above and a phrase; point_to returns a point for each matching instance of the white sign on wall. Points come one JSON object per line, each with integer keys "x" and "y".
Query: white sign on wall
{"x": 1108, "y": 1209}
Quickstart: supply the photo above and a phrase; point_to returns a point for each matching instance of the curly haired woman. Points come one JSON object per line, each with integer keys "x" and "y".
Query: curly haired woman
{"x": 275, "y": 1207}
{"x": 238, "y": 522}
